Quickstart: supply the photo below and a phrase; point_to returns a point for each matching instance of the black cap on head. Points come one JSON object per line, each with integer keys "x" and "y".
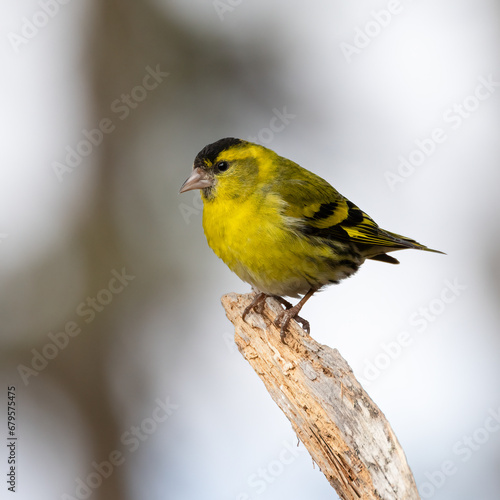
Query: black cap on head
{"x": 213, "y": 150}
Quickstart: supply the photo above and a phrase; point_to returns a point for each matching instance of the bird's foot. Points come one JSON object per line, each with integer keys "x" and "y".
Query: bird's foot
{"x": 282, "y": 320}
{"x": 284, "y": 317}
{"x": 280, "y": 317}
{"x": 257, "y": 305}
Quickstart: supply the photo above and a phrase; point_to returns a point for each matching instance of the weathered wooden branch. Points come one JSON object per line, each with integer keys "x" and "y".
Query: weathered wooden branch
{"x": 346, "y": 434}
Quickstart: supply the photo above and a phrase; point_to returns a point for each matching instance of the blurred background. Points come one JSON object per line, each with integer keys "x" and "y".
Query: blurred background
{"x": 127, "y": 381}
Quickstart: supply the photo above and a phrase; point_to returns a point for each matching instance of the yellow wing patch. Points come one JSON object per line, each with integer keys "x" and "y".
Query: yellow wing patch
{"x": 323, "y": 215}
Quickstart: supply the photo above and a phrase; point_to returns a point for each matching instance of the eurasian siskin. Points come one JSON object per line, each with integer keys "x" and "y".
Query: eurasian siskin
{"x": 281, "y": 228}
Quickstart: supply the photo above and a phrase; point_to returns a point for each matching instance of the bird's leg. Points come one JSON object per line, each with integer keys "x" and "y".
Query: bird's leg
{"x": 282, "y": 301}
{"x": 284, "y": 317}
{"x": 257, "y": 304}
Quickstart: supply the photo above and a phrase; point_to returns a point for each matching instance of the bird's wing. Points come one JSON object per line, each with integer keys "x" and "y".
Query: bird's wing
{"x": 319, "y": 210}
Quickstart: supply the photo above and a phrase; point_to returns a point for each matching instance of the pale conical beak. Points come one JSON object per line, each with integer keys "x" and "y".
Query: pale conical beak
{"x": 197, "y": 180}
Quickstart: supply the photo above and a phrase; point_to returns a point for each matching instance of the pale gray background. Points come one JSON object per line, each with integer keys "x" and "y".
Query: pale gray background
{"x": 166, "y": 334}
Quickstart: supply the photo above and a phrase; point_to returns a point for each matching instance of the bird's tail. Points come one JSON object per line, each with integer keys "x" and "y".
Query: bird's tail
{"x": 393, "y": 242}
{"x": 404, "y": 242}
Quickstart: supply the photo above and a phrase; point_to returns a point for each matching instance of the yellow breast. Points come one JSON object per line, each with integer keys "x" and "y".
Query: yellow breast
{"x": 254, "y": 241}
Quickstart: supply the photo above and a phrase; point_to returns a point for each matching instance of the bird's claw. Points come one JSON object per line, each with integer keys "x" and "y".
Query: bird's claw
{"x": 257, "y": 305}
{"x": 283, "y": 320}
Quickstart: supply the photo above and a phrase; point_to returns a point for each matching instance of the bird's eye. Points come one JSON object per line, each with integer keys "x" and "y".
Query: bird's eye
{"x": 222, "y": 166}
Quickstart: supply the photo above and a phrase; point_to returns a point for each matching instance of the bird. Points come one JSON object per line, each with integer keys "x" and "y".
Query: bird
{"x": 281, "y": 228}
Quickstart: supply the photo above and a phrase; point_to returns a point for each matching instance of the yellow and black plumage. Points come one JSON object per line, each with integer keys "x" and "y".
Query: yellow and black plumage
{"x": 280, "y": 227}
